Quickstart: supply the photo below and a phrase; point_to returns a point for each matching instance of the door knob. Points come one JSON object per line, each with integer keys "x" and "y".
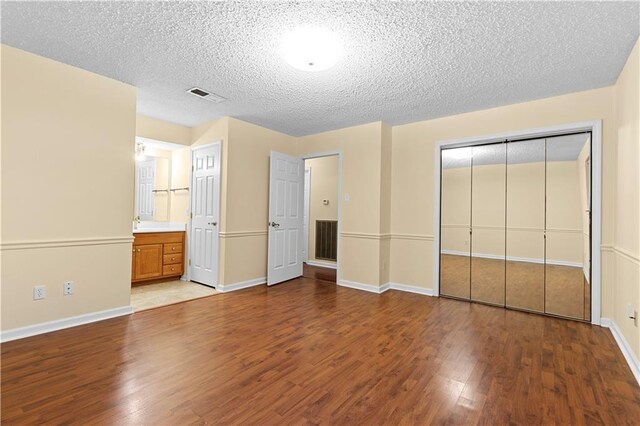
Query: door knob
{"x": 212, "y": 223}
{"x": 275, "y": 225}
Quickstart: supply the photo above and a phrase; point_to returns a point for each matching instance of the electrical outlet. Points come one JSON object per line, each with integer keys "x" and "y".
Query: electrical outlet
{"x": 38, "y": 292}
{"x": 631, "y": 313}
{"x": 68, "y": 288}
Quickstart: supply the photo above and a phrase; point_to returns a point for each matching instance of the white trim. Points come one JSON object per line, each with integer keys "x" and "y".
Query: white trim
{"x": 624, "y": 346}
{"x": 626, "y": 254}
{"x": 365, "y": 287}
{"x": 240, "y": 234}
{"x": 321, "y": 264}
{"x": 412, "y": 237}
{"x": 243, "y": 284}
{"x": 47, "y": 327}
{"x": 366, "y": 236}
{"x": 595, "y": 127}
{"x": 385, "y": 287}
{"x": 307, "y": 211}
{"x": 76, "y": 242}
{"x": 340, "y": 155}
{"x": 411, "y": 289}
{"x": 514, "y": 258}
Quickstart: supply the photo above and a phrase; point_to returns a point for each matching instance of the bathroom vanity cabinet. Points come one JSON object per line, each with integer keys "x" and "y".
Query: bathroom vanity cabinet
{"x": 157, "y": 255}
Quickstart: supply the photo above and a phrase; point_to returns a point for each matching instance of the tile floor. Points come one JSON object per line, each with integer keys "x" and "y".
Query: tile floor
{"x": 151, "y": 296}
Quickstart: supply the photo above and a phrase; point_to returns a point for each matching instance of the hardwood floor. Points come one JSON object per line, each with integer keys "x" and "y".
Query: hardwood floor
{"x": 308, "y": 351}
{"x": 318, "y": 273}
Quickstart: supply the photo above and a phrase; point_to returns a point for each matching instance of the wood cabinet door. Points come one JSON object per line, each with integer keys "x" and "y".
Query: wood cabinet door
{"x": 148, "y": 261}
{"x": 133, "y": 263}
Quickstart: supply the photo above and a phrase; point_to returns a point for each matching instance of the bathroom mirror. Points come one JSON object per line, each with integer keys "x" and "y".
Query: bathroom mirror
{"x": 162, "y": 174}
{"x": 152, "y": 189}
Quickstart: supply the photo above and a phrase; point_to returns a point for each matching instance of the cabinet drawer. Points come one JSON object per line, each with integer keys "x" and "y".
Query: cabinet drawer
{"x": 168, "y": 270}
{"x": 173, "y": 248}
{"x": 172, "y": 259}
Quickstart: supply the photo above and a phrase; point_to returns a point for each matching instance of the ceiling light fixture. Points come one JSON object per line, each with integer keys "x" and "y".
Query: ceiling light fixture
{"x": 311, "y": 48}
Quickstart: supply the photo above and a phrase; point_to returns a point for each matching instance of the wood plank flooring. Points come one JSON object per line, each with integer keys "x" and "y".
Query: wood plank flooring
{"x": 310, "y": 352}
{"x": 319, "y": 273}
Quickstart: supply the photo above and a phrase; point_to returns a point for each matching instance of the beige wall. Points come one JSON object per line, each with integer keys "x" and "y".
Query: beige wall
{"x": 362, "y": 240}
{"x": 324, "y": 186}
{"x": 67, "y": 189}
{"x": 160, "y": 130}
{"x": 626, "y": 244}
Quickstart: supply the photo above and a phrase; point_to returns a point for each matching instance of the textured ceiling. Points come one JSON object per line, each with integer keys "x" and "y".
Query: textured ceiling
{"x": 402, "y": 62}
{"x": 558, "y": 148}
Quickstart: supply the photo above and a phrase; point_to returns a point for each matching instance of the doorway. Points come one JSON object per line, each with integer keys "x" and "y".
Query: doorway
{"x": 517, "y": 219}
{"x": 304, "y": 217}
{"x": 321, "y": 218}
{"x": 162, "y": 227}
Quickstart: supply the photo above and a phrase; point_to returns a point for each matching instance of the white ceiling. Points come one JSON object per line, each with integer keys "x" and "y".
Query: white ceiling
{"x": 558, "y": 148}
{"x": 402, "y": 62}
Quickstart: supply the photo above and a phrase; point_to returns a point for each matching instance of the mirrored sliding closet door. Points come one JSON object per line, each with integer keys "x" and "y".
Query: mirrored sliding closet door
{"x": 455, "y": 218}
{"x": 487, "y": 224}
{"x": 567, "y": 290}
{"x": 516, "y": 226}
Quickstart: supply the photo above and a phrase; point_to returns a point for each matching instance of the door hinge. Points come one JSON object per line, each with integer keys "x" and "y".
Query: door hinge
{"x": 192, "y": 169}
{"x": 191, "y": 215}
{"x": 189, "y": 262}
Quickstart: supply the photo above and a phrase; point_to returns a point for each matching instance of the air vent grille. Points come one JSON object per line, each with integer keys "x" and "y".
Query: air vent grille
{"x": 203, "y": 94}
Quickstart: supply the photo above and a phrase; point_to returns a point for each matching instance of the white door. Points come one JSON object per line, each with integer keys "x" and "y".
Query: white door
{"x": 145, "y": 176}
{"x": 305, "y": 231}
{"x": 286, "y": 186}
{"x": 205, "y": 210}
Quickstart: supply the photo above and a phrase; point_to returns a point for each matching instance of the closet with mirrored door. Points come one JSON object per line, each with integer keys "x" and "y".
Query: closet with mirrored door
{"x": 515, "y": 224}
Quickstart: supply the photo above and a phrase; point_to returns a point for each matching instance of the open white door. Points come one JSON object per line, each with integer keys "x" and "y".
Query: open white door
{"x": 286, "y": 187}
{"x": 205, "y": 209}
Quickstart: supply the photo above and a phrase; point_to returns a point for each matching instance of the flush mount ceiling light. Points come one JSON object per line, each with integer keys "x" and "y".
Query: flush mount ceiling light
{"x": 311, "y": 48}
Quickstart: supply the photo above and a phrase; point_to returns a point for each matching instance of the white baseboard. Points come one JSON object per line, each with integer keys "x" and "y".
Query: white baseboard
{"x": 411, "y": 289}
{"x": 626, "y": 350}
{"x": 514, "y": 258}
{"x": 385, "y": 287}
{"x": 46, "y": 327}
{"x": 360, "y": 286}
{"x": 322, "y": 264}
{"x": 239, "y": 286}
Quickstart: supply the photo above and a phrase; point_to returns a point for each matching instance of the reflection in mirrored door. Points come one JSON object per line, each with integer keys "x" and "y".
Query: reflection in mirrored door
{"x": 525, "y": 225}
{"x": 567, "y": 226}
{"x": 488, "y": 224}
{"x": 455, "y": 219}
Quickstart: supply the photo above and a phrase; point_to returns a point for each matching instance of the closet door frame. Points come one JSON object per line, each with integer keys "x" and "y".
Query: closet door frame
{"x": 595, "y": 127}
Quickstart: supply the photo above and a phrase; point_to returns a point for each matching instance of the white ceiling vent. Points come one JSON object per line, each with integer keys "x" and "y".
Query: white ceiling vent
{"x": 203, "y": 94}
